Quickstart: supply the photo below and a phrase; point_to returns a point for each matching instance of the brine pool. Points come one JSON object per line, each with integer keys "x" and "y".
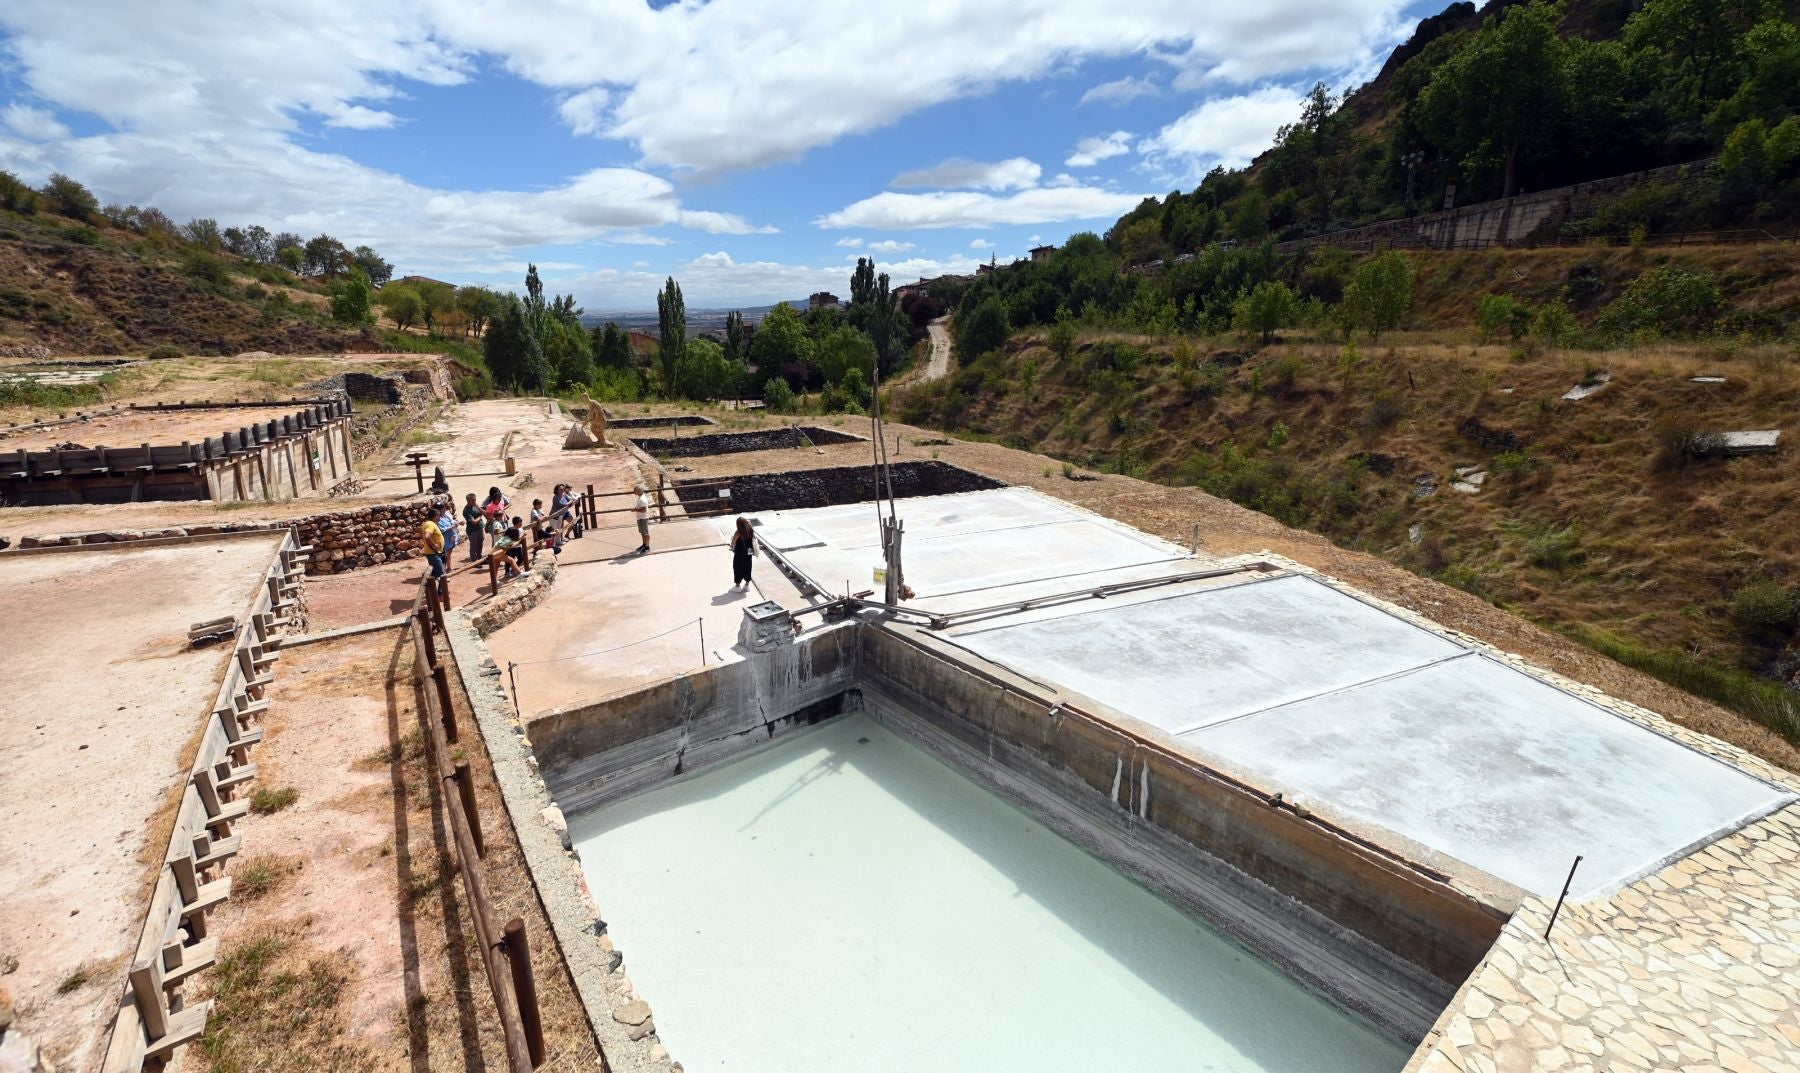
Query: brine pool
{"x": 843, "y": 899}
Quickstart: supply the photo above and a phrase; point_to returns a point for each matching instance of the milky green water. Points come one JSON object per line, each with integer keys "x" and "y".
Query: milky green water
{"x": 845, "y": 901}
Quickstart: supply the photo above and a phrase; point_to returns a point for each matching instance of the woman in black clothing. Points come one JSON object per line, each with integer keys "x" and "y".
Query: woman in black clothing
{"x": 743, "y": 545}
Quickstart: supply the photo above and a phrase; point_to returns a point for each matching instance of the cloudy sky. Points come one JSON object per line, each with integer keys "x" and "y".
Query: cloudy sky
{"x": 751, "y": 148}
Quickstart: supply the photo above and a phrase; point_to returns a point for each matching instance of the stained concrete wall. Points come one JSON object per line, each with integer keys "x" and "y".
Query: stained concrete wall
{"x": 726, "y": 443}
{"x": 1388, "y": 937}
{"x": 836, "y": 485}
{"x": 605, "y": 750}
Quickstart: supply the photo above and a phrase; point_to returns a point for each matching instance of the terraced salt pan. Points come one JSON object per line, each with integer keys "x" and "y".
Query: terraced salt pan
{"x": 1317, "y": 693}
{"x": 842, "y": 900}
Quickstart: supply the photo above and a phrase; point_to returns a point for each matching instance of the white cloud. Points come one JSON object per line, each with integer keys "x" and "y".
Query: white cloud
{"x": 1229, "y": 131}
{"x": 1120, "y": 91}
{"x": 980, "y": 244}
{"x": 584, "y": 111}
{"x": 38, "y": 124}
{"x": 722, "y": 223}
{"x": 849, "y": 243}
{"x": 717, "y": 279}
{"x": 889, "y": 211}
{"x": 1063, "y": 178}
{"x": 1091, "y": 151}
{"x": 891, "y": 246}
{"x": 1015, "y": 174}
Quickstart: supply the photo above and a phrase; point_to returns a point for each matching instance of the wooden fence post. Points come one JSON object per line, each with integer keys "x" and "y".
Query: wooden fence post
{"x": 518, "y": 953}
{"x": 442, "y": 679}
{"x": 465, "y": 791}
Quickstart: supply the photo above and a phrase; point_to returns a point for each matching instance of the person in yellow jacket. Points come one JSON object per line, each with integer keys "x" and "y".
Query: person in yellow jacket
{"x": 433, "y": 538}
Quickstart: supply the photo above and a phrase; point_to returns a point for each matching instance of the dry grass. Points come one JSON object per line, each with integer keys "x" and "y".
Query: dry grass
{"x": 278, "y": 1006}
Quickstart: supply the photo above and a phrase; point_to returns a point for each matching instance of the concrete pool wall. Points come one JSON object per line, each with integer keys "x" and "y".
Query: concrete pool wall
{"x": 1386, "y": 936}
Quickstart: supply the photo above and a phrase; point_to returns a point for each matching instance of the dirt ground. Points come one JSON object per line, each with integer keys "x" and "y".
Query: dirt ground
{"x": 133, "y": 428}
{"x": 105, "y": 701}
{"x": 1228, "y": 529}
{"x": 350, "y": 893}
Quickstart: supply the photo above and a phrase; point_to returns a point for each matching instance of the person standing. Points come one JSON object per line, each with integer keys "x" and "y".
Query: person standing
{"x": 433, "y": 539}
{"x": 446, "y": 521}
{"x": 476, "y": 522}
{"x": 642, "y": 510}
{"x": 743, "y": 546}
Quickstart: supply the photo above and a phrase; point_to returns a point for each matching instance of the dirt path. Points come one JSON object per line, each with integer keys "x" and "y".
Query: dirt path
{"x": 345, "y": 944}
{"x": 940, "y": 350}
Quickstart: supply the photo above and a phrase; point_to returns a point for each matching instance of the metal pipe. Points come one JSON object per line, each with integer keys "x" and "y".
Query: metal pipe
{"x": 1559, "y": 898}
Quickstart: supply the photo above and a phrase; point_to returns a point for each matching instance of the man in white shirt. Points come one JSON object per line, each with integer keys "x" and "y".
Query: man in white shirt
{"x": 642, "y": 510}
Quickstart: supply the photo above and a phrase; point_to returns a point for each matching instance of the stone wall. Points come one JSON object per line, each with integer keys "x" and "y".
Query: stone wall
{"x": 1499, "y": 223}
{"x": 367, "y": 536}
{"x": 834, "y": 486}
{"x": 516, "y": 597}
{"x": 729, "y": 443}
{"x": 650, "y": 422}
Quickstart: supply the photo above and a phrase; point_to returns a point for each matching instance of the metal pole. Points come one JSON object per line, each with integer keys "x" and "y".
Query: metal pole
{"x": 1560, "y": 897}
{"x": 702, "y": 623}
{"x": 514, "y": 680}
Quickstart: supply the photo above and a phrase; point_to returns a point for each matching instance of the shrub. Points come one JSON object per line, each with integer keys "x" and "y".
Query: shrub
{"x": 1384, "y": 410}
{"x": 82, "y": 235}
{"x": 164, "y": 350}
{"x": 1265, "y": 310}
{"x": 1378, "y": 295}
{"x": 475, "y": 386}
{"x": 981, "y": 329}
{"x": 1284, "y": 374}
{"x": 1668, "y": 300}
{"x": 1763, "y": 605}
{"x": 1062, "y": 337}
{"x": 1497, "y": 313}
{"x": 778, "y": 397}
{"x": 70, "y": 198}
{"x": 1555, "y": 324}
{"x": 15, "y": 196}
{"x": 205, "y": 267}
{"x": 1554, "y": 548}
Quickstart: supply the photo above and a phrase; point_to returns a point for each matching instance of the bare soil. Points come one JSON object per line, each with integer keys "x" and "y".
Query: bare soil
{"x": 105, "y": 702}
{"x": 358, "y": 898}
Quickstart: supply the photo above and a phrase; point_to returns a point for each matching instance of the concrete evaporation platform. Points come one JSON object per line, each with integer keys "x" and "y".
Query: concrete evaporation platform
{"x": 1314, "y": 692}
{"x": 843, "y": 900}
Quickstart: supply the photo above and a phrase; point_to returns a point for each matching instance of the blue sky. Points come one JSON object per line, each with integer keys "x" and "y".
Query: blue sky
{"x": 751, "y": 149}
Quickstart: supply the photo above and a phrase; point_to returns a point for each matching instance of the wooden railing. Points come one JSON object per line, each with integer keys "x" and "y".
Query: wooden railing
{"x": 504, "y": 951}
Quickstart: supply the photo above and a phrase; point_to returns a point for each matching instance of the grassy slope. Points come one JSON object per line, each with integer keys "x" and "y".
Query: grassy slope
{"x": 91, "y": 290}
{"x": 1594, "y": 528}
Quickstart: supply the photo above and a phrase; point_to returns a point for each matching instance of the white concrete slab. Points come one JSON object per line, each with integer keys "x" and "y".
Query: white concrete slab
{"x": 1501, "y": 771}
{"x": 844, "y": 901}
{"x": 1204, "y": 656}
{"x": 969, "y": 542}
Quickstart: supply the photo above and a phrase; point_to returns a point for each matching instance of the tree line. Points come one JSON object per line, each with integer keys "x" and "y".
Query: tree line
{"x": 1536, "y": 95}
{"x": 538, "y": 345}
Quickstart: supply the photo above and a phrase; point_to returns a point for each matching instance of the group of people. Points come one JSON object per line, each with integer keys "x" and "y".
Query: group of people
{"x": 492, "y": 524}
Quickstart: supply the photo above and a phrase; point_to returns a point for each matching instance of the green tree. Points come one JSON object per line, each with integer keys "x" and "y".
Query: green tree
{"x": 16, "y": 196}
{"x": 511, "y": 348}
{"x": 1700, "y": 41}
{"x": 781, "y": 343}
{"x": 778, "y": 397}
{"x": 612, "y": 348}
{"x": 70, "y": 198}
{"x": 378, "y": 270}
{"x": 350, "y": 300}
{"x": 703, "y": 373}
{"x": 292, "y": 258}
{"x": 568, "y": 353}
{"x": 437, "y": 301}
{"x": 735, "y": 349}
{"x": 981, "y": 329}
{"x": 840, "y": 351}
{"x": 203, "y": 231}
{"x": 402, "y": 303}
{"x": 1378, "y": 294}
{"x": 1500, "y": 94}
{"x": 1501, "y": 313}
{"x": 325, "y": 256}
{"x": 479, "y": 306}
{"x": 1268, "y": 308}
{"x": 671, "y": 323}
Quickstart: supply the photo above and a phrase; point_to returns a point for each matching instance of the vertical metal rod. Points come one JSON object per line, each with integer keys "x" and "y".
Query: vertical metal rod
{"x": 1559, "y": 898}
{"x": 514, "y": 680}
{"x": 702, "y": 623}
{"x": 518, "y": 953}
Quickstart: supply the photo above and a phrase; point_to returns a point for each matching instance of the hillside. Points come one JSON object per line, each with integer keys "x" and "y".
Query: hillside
{"x": 1601, "y": 518}
{"x": 78, "y": 288}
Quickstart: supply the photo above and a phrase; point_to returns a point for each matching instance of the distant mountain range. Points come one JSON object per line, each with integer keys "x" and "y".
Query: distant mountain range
{"x": 698, "y": 320}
